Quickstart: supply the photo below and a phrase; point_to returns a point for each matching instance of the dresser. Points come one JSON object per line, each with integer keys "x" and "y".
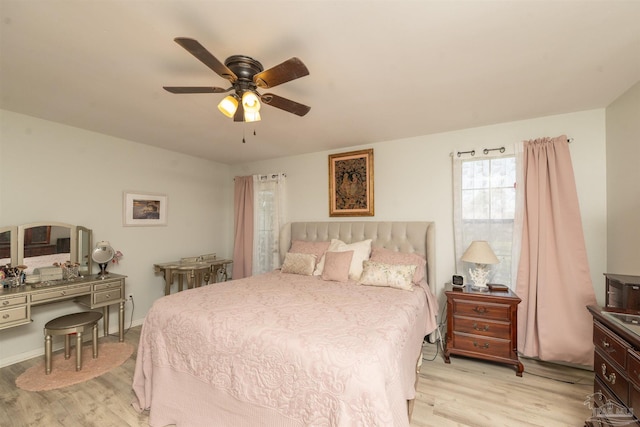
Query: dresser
{"x": 90, "y": 292}
{"x": 616, "y": 365}
{"x": 482, "y": 325}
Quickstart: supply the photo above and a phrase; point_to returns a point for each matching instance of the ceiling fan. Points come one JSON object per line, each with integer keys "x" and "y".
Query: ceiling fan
{"x": 246, "y": 76}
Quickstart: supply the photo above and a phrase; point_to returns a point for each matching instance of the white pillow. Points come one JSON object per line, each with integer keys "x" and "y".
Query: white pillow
{"x": 394, "y": 276}
{"x": 296, "y": 263}
{"x": 361, "y": 252}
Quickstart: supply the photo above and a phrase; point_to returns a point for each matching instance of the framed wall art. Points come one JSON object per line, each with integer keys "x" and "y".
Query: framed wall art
{"x": 144, "y": 209}
{"x": 351, "y": 183}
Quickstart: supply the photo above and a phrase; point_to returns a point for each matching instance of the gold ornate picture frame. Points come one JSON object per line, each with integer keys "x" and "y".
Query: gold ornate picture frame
{"x": 351, "y": 183}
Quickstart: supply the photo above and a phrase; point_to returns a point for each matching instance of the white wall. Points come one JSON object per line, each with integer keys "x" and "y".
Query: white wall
{"x": 413, "y": 180}
{"x": 623, "y": 183}
{"x": 52, "y": 172}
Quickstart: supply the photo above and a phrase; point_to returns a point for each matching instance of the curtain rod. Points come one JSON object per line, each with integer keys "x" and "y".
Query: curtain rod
{"x": 273, "y": 176}
{"x": 487, "y": 150}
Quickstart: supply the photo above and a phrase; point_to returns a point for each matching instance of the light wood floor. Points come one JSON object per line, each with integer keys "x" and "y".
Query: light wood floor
{"x": 464, "y": 393}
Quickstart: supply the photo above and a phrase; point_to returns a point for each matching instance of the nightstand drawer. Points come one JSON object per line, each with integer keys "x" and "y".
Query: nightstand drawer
{"x": 482, "y": 345}
{"x": 610, "y": 345}
{"x": 487, "y": 328}
{"x": 610, "y": 375}
{"x": 487, "y": 310}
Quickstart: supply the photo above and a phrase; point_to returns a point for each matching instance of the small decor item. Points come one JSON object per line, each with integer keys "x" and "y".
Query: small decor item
{"x": 479, "y": 252}
{"x": 102, "y": 255}
{"x": 351, "y": 183}
{"x": 144, "y": 209}
{"x": 69, "y": 270}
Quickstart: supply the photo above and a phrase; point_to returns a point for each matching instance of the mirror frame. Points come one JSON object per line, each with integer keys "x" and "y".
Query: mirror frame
{"x": 13, "y": 242}
{"x": 80, "y": 230}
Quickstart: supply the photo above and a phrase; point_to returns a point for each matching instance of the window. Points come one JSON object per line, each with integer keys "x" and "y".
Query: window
{"x": 484, "y": 209}
{"x": 269, "y": 216}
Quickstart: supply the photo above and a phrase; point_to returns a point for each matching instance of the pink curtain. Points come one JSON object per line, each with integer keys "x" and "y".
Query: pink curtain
{"x": 243, "y": 211}
{"x": 553, "y": 279}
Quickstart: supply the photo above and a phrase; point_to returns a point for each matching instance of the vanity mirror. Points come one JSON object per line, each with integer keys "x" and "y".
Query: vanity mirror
{"x": 85, "y": 242}
{"x": 8, "y": 245}
{"x": 40, "y": 244}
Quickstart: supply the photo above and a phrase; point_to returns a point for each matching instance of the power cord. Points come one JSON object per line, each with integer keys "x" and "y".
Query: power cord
{"x": 439, "y": 337}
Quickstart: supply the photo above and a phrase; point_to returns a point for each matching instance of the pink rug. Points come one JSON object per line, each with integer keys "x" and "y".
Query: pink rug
{"x": 63, "y": 372}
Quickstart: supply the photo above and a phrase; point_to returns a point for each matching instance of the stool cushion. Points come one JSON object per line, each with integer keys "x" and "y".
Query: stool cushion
{"x": 73, "y": 320}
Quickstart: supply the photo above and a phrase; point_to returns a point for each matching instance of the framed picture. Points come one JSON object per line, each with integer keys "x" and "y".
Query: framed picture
{"x": 351, "y": 183}
{"x": 144, "y": 209}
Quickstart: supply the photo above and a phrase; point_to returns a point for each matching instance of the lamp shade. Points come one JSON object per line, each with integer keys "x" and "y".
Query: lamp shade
{"x": 479, "y": 252}
{"x": 228, "y": 106}
{"x": 251, "y": 116}
{"x": 250, "y": 102}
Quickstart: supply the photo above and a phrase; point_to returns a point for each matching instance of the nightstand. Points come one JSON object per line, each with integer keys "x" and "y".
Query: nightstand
{"x": 483, "y": 325}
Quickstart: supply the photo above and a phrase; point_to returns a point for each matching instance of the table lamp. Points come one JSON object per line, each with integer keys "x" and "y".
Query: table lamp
{"x": 479, "y": 252}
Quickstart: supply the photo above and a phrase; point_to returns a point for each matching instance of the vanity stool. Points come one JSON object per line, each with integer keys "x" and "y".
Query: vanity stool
{"x": 76, "y": 323}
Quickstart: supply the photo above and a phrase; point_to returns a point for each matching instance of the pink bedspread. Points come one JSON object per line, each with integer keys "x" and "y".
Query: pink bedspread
{"x": 281, "y": 349}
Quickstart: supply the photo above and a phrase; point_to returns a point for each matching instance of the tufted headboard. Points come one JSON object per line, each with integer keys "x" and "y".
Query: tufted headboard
{"x": 401, "y": 236}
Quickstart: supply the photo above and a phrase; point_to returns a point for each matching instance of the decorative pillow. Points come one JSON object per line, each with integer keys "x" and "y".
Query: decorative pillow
{"x": 394, "y": 276}
{"x": 316, "y": 248}
{"x": 361, "y": 251}
{"x": 336, "y": 266}
{"x": 387, "y": 256}
{"x": 296, "y": 263}
{"x": 334, "y": 245}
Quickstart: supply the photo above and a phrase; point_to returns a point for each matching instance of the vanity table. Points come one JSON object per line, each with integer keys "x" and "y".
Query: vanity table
{"x": 38, "y": 245}
{"x": 91, "y": 292}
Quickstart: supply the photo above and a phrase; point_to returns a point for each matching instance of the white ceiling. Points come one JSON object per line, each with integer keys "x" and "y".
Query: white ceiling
{"x": 379, "y": 70}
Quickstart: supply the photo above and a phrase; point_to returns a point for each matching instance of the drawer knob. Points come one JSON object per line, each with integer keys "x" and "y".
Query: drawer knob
{"x": 5, "y": 316}
{"x": 108, "y": 296}
{"x": 480, "y": 310}
{"x": 478, "y": 328}
{"x": 483, "y": 346}
{"x": 611, "y": 378}
{"x": 607, "y": 346}
{"x": 5, "y": 302}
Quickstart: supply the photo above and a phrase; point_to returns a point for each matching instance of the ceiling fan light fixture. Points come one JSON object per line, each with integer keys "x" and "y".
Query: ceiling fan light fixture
{"x": 251, "y": 116}
{"x": 228, "y": 106}
{"x": 250, "y": 102}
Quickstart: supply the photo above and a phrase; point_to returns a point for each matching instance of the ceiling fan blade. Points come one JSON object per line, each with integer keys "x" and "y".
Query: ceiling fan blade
{"x": 199, "y": 51}
{"x": 239, "y": 115}
{"x": 195, "y": 89}
{"x": 285, "y": 104}
{"x": 290, "y": 69}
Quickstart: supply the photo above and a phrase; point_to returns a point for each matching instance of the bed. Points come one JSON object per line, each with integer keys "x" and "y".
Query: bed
{"x": 287, "y": 348}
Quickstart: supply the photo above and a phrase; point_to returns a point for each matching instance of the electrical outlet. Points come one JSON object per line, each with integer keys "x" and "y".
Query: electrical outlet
{"x": 130, "y": 297}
